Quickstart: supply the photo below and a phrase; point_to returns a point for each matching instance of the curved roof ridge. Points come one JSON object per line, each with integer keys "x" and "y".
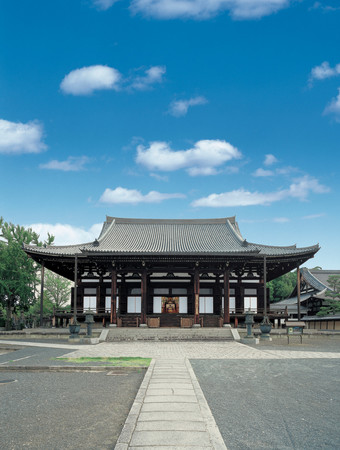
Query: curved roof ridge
{"x": 311, "y": 279}
{"x": 55, "y": 247}
{"x": 235, "y": 226}
{"x": 129, "y": 220}
{"x": 287, "y": 247}
{"x": 236, "y": 231}
{"x": 107, "y": 225}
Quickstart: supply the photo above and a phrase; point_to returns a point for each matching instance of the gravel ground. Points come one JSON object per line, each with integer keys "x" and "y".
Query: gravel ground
{"x": 65, "y": 410}
{"x": 273, "y": 404}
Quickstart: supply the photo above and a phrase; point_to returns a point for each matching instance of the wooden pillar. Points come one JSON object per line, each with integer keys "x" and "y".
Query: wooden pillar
{"x": 226, "y": 304}
{"x": 42, "y": 293}
{"x": 123, "y": 295}
{"x": 196, "y": 296}
{"x": 298, "y": 289}
{"x": 240, "y": 298}
{"x": 265, "y": 286}
{"x": 144, "y": 283}
{"x": 80, "y": 297}
{"x": 75, "y": 289}
{"x": 217, "y": 292}
{"x": 113, "y": 316}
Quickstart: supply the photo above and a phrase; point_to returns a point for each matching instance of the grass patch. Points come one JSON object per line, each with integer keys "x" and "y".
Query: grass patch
{"x": 123, "y": 361}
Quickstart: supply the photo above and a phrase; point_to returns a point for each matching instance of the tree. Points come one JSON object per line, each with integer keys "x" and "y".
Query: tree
{"x": 332, "y": 300}
{"x": 18, "y": 273}
{"x": 282, "y": 287}
{"x": 57, "y": 289}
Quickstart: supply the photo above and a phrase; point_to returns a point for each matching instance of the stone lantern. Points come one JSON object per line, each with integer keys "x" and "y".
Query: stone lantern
{"x": 89, "y": 320}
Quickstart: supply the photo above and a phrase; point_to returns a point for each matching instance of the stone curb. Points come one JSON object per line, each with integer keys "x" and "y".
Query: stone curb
{"x": 215, "y": 435}
{"x": 131, "y": 421}
{"x": 103, "y": 335}
{"x": 117, "y": 370}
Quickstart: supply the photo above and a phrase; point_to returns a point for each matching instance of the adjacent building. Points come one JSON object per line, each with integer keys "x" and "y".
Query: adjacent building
{"x": 314, "y": 285}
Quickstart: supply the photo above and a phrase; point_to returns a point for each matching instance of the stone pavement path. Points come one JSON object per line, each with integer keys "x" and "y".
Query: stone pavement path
{"x": 194, "y": 350}
{"x": 170, "y": 411}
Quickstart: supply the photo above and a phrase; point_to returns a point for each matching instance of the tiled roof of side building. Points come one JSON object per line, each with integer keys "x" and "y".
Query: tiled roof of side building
{"x": 318, "y": 278}
{"x": 323, "y": 275}
{"x": 153, "y": 236}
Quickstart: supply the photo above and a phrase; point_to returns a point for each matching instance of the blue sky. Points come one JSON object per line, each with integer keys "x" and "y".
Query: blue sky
{"x": 172, "y": 109}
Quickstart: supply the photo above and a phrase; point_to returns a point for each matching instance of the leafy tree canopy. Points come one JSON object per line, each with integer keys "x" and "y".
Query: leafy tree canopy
{"x": 282, "y": 287}
{"x": 57, "y": 289}
{"x": 18, "y": 273}
{"x": 332, "y": 302}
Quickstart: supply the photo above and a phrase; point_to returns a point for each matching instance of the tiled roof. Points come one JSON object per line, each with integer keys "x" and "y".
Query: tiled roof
{"x": 317, "y": 279}
{"x": 153, "y": 236}
{"x": 289, "y": 301}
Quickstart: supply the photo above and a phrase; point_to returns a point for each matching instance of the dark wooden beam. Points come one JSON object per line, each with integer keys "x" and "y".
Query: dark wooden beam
{"x": 196, "y": 296}
{"x": 226, "y": 305}
{"x": 42, "y": 293}
{"x": 113, "y": 315}
{"x": 298, "y": 288}
{"x": 144, "y": 284}
{"x": 75, "y": 289}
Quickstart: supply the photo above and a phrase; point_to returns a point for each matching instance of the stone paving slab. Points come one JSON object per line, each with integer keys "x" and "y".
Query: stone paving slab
{"x": 171, "y": 438}
{"x": 189, "y": 416}
{"x": 165, "y": 447}
{"x": 173, "y": 407}
{"x": 171, "y": 391}
{"x": 170, "y": 425}
{"x": 180, "y": 399}
{"x": 175, "y": 385}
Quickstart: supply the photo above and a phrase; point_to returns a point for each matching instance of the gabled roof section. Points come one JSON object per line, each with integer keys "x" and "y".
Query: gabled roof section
{"x": 319, "y": 278}
{"x": 171, "y": 237}
{"x": 315, "y": 282}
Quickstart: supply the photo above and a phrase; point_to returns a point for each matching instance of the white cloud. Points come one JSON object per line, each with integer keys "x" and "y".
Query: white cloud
{"x": 132, "y": 196}
{"x": 281, "y": 220}
{"x": 286, "y": 170}
{"x": 71, "y": 164}
{"x": 202, "y": 159}
{"x": 86, "y": 80}
{"x": 159, "y": 177}
{"x": 152, "y": 76}
{"x": 238, "y": 197}
{"x": 103, "y": 5}
{"x": 179, "y": 108}
{"x": 300, "y": 189}
{"x": 313, "y": 216}
{"x": 67, "y": 234}
{"x": 269, "y": 160}
{"x": 323, "y": 7}
{"x": 323, "y": 72}
{"x": 263, "y": 173}
{"x": 204, "y": 9}
{"x": 17, "y": 137}
{"x": 303, "y": 186}
{"x": 334, "y": 107}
